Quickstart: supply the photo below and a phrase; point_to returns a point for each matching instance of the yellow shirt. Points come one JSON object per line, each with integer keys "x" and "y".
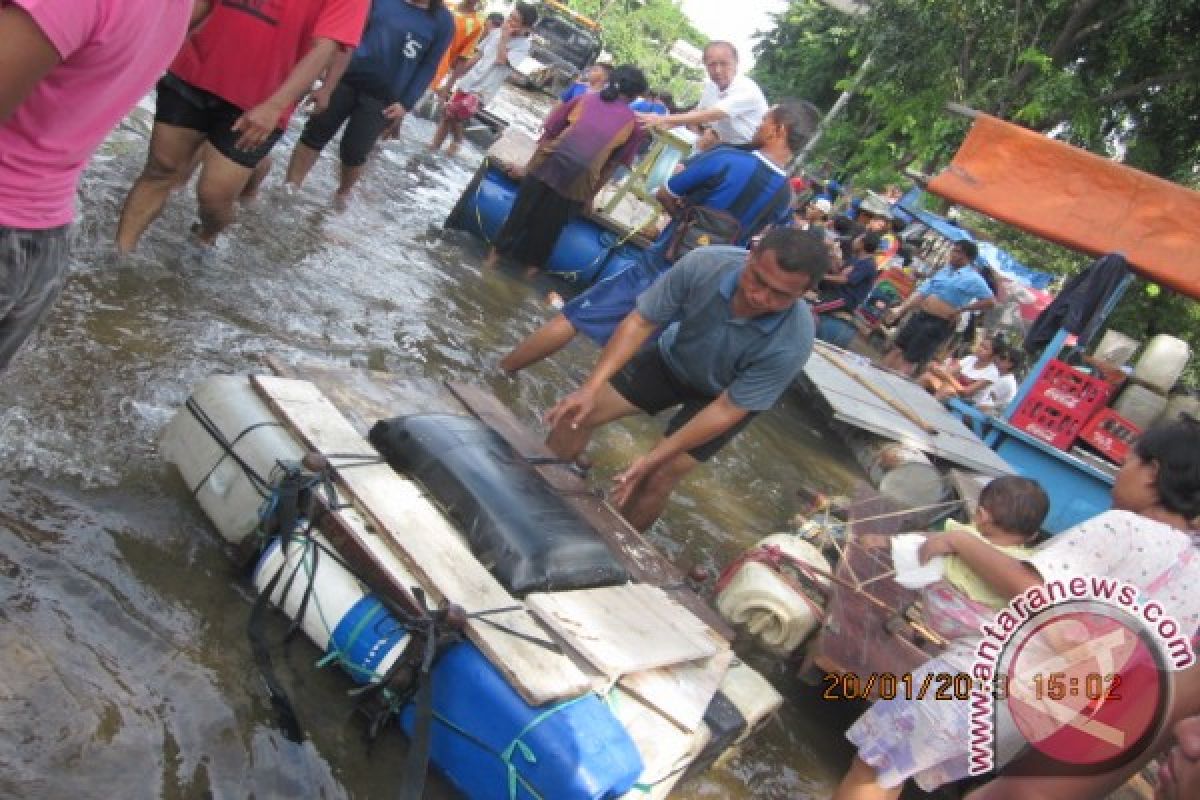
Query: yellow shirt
{"x": 961, "y": 577}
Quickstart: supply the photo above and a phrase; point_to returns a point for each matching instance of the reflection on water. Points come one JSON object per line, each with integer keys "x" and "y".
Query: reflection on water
{"x": 124, "y": 666}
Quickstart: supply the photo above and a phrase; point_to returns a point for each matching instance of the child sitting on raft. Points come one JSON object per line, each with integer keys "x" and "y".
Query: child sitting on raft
{"x": 1010, "y": 514}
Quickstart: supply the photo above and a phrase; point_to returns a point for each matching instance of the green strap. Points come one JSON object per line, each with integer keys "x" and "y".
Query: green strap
{"x": 335, "y": 654}
{"x": 514, "y": 777}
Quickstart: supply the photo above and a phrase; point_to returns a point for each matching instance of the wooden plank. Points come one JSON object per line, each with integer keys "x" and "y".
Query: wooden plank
{"x": 681, "y": 693}
{"x": 425, "y": 542}
{"x": 643, "y": 560}
{"x": 665, "y": 749}
{"x": 853, "y": 403}
{"x": 624, "y": 629}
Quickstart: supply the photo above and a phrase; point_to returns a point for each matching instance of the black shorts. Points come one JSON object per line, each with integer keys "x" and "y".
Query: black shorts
{"x": 648, "y": 383}
{"x": 922, "y": 336}
{"x": 366, "y": 122}
{"x": 185, "y": 106}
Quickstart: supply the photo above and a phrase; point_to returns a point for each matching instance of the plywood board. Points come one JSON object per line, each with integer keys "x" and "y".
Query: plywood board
{"x": 853, "y": 403}
{"x": 665, "y": 749}
{"x": 681, "y": 693}
{"x": 624, "y": 629}
{"x": 424, "y": 540}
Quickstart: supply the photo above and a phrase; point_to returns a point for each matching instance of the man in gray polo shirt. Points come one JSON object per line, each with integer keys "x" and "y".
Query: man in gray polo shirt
{"x": 737, "y": 334}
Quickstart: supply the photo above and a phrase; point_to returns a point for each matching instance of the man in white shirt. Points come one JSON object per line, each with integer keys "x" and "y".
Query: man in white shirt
{"x": 731, "y": 105}
{"x": 498, "y": 52}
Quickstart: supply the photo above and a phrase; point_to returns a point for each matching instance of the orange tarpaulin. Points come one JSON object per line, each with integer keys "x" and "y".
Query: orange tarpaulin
{"x": 1079, "y": 200}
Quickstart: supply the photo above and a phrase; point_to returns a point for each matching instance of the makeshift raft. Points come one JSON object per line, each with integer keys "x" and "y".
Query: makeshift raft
{"x": 592, "y": 693}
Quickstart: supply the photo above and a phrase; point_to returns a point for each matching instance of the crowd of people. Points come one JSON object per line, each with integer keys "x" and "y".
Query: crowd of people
{"x": 715, "y": 320}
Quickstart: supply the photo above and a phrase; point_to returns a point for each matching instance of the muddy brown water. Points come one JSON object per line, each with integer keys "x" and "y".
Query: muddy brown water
{"x": 124, "y": 665}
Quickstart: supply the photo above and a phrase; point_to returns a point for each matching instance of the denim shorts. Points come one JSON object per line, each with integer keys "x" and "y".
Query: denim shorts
{"x": 33, "y": 267}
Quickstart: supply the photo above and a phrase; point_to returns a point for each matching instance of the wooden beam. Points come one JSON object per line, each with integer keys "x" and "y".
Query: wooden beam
{"x": 421, "y": 537}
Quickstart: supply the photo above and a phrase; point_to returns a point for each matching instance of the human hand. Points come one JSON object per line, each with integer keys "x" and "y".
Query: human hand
{"x": 938, "y": 544}
{"x": 395, "y": 112}
{"x": 630, "y": 481}
{"x": 318, "y": 101}
{"x": 573, "y": 409}
{"x": 651, "y": 120}
{"x": 1179, "y": 768}
{"x": 256, "y": 125}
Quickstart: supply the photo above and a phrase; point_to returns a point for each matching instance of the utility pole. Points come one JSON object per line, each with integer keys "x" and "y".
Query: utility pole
{"x": 835, "y": 110}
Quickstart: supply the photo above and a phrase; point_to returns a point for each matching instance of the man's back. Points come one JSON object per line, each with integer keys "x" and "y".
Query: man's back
{"x": 112, "y": 51}
{"x": 744, "y": 183}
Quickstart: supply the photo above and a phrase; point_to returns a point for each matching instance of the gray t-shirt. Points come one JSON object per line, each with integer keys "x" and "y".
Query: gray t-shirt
{"x": 754, "y": 358}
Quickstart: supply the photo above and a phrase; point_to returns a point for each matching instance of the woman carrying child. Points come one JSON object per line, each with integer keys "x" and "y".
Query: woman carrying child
{"x": 1147, "y": 540}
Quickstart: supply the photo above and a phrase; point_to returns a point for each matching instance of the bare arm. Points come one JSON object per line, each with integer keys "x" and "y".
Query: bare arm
{"x": 26, "y": 57}
{"x": 717, "y": 417}
{"x": 258, "y": 123}
{"x": 1008, "y": 576}
{"x": 697, "y": 117}
{"x": 626, "y": 340}
{"x": 199, "y": 12}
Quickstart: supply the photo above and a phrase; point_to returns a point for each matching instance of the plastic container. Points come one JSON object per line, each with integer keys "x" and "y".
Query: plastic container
{"x": 753, "y": 695}
{"x": 573, "y": 750}
{"x": 1140, "y": 405}
{"x": 581, "y": 252}
{"x": 1181, "y": 404}
{"x": 1111, "y": 434}
{"x": 1162, "y": 362}
{"x": 1115, "y": 348}
{"x": 339, "y": 616}
{"x": 1049, "y": 421}
{"x": 903, "y": 473}
{"x": 516, "y": 524}
{"x": 220, "y": 484}
{"x": 768, "y": 601}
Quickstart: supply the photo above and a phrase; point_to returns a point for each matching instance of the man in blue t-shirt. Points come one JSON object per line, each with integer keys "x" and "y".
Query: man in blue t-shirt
{"x": 649, "y": 104}
{"x": 736, "y": 335}
{"x": 373, "y": 87}
{"x": 955, "y": 289}
{"x": 750, "y": 184}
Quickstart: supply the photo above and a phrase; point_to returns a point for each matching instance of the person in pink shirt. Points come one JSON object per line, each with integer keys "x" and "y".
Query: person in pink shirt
{"x": 69, "y": 71}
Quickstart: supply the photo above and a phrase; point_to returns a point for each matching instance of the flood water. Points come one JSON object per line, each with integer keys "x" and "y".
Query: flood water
{"x": 124, "y": 665}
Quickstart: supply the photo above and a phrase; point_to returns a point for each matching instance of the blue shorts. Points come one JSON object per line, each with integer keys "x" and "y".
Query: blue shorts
{"x": 597, "y": 312}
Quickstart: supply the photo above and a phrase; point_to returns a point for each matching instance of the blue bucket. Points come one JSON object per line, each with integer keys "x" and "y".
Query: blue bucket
{"x": 368, "y": 640}
{"x": 493, "y": 746}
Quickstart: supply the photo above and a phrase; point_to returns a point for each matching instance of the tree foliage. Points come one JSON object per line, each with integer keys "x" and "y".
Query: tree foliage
{"x": 642, "y": 34}
{"x": 1118, "y": 77}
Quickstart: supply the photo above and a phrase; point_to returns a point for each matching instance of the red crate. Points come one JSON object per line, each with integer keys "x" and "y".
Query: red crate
{"x": 1048, "y": 421}
{"x": 1072, "y": 391}
{"x": 1111, "y": 434}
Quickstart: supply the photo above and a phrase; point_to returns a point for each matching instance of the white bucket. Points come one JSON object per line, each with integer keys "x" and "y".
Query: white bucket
{"x": 1115, "y": 348}
{"x": 1140, "y": 405}
{"x": 766, "y": 605}
{"x": 220, "y": 484}
{"x": 340, "y": 614}
{"x": 1162, "y": 362}
{"x": 1181, "y": 403}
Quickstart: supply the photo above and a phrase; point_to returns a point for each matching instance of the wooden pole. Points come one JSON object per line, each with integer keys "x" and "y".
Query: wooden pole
{"x": 898, "y": 406}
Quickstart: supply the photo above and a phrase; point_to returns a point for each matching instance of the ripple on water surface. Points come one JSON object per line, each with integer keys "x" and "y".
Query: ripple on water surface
{"x": 124, "y": 665}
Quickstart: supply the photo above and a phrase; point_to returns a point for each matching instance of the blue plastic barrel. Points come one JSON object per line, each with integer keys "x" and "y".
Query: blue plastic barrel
{"x": 493, "y": 746}
{"x": 581, "y": 252}
{"x": 485, "y": 209}
{"x": 365, "y": 638}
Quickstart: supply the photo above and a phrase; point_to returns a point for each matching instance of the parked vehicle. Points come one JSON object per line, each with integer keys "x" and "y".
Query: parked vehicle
{"x": 564, "y": 42}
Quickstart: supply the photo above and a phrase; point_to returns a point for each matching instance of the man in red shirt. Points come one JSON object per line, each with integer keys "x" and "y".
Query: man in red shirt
{"x": 234, "y": 85}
